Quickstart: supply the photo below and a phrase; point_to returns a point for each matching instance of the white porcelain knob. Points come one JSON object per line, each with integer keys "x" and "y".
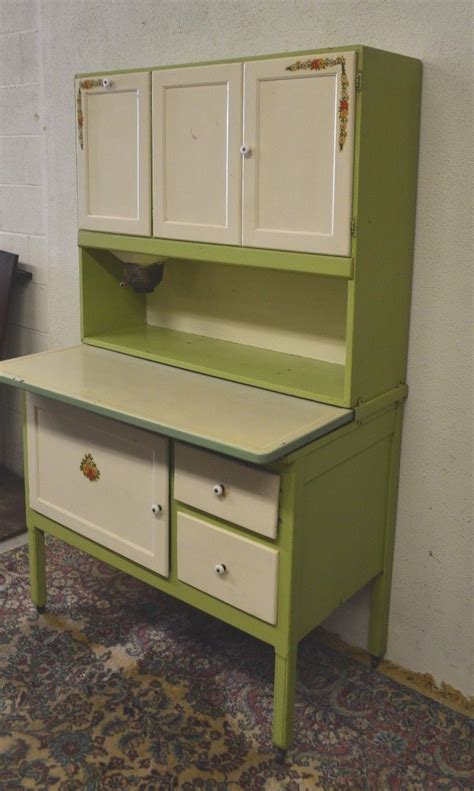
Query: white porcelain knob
{"x": 106, "y": 83}
{"x": 157, "y": 508}
{"x": 218, "y": 489}
{"x": 244, "y": 150}
{"x": 220, "y": 569}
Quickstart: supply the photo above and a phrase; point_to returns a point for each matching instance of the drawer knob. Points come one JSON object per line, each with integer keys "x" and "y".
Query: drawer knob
{"x": 106, "y": 83}
{"x": 220, "y": 569}
{"x": 218, "y": 489}
{"x": 157, "y": 508}
{"x": 244, "y": 150}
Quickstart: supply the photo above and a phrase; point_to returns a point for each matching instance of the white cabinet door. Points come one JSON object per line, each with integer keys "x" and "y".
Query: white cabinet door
{"x": 114, "y": 153}
{"x": 100, "y": 478}
{"x": 197, "y": 123}
{"x": 299, "y": 127}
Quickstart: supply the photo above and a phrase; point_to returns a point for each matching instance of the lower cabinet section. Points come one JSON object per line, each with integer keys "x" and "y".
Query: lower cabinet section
{"x": 106, "y": 480}
{"x": 237, "y": 570}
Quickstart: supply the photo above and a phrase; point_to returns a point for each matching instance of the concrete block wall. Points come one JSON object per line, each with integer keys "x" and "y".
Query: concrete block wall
{"x": 22, "y": 198}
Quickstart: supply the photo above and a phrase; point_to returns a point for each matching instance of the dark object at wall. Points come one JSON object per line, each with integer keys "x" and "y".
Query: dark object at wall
{"x": 8, "y": 262}
{"x": 143, "y": 279}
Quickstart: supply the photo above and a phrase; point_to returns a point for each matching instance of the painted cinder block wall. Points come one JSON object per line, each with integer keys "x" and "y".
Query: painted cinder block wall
{"x": 431, "y": 609}
{"x": 22, "y": 198}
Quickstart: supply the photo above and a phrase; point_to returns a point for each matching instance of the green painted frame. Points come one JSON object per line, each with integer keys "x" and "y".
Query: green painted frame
{"x": 305, "y": 595}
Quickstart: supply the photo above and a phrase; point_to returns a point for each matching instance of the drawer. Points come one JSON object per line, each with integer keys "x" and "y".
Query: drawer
{"x": 232, "y": 568}
{"x": 101, "y": 478}
{"x": 231, "y": 490}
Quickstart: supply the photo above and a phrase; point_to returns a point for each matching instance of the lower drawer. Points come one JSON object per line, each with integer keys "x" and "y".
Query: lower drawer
{"x": 101, "y": 478}
{"x": 232, "y": 568}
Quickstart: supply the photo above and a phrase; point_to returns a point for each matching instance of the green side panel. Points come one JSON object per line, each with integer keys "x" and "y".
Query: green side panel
{"x": 385, "y": 197}
{"x": 284, "y": 373}
{"x": 105, "y": 305}
{"x": 332, "y": 266}
{"x": 344, "y": 519}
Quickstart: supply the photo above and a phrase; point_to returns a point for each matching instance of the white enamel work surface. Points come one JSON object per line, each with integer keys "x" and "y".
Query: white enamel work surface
{"x": 243, "y": 421}
{"x": 250, "y": 581}
{"x": 297, "y": 192}
{"x": 197, "y": 122}
{"x": 114, "y": 510}
{"x": 250, "y": 495}
{"x": 113, "y": 167}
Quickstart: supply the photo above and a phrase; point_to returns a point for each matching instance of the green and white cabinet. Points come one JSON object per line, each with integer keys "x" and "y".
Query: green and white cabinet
{"x": 233, "y": 438}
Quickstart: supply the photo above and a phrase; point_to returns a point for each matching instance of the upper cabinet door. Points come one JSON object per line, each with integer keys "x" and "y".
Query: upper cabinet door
{"x": 197, "y": 123}
{"x": 114, "y": 153}
{"x": 299, "y": 129}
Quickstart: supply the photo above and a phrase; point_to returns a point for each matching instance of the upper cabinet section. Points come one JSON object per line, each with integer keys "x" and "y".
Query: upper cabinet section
{"x": 299, "y": 137}
{"x": 197, "y": 129}
{"x": 113, "y": 153}
{"x": 258, "y": 153}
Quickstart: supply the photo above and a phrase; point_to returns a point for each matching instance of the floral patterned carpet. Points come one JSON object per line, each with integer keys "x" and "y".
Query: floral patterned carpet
{"x": 118, "y": 686}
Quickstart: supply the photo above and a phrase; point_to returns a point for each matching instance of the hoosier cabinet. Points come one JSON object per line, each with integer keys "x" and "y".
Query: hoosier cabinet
{"x": 229, "y": 428}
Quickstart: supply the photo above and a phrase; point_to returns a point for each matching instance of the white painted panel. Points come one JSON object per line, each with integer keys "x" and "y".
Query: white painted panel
{"x": 197, "y": 121}
{"x": 250, "y": 495}
{"x": 297, "y": 192}
{"x": 185, "y": 405}
{"x": 130, "y": 476}
{"x": 250, "y": 581}
{"x": 114, "y": 154}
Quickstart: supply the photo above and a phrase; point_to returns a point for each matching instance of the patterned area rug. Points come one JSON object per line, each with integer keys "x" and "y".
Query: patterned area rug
{"x": 12, "y": 505}
{"x": 118, "y": 686}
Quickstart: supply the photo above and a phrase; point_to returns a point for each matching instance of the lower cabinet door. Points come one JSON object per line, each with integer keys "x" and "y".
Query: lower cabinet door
{"x": 103, "y": 479}
{"x": 232, "y": 568}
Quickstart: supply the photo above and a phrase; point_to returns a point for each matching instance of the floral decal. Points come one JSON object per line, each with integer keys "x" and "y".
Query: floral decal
{"x": 319, "y": 64}
{"x": 84, "y": 85}
{"x": 89, "y": 468}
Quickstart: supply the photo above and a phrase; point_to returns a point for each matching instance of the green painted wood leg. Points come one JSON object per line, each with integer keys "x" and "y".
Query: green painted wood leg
{"x": 284, "y": 698}
{"x": 382, "y": 584}
{"x": 37, "y": 568}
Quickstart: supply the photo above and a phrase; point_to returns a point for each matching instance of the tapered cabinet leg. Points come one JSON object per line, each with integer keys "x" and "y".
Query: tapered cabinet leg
{"x": 37, "y": 568}
{"x": 382, "y": 584}
{"x": 284, "y": 698}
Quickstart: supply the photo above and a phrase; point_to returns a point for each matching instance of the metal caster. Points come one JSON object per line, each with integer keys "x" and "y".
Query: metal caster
{"x": 41, "y": 609}
{"x": 375, "y": 662}
{"x": 280, "y": 755}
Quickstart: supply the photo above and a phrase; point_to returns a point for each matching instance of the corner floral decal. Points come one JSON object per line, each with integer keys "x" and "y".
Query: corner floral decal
{"x": 84, "y": 85}
{"x": 319, "y": 64}
{"x": 89, "y": 468}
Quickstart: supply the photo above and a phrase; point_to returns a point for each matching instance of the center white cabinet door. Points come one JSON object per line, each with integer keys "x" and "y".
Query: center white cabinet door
{"x": 101, "y": 478}
{"x": 297, "y": 175}
{"x": 114, "y": 153}
{"x": 197, "y": 127}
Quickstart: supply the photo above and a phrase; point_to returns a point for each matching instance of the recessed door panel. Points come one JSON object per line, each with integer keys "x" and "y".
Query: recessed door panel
{"x": 297, "y": 174}
{"x": 101, "y": 478}
{"x": 197, "y": 114}
{"x": 114, "y": 153}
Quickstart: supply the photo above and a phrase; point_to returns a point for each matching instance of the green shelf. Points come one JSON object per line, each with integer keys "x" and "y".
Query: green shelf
{"x": 256, "y": 258}
{"x": 316, "y": 380}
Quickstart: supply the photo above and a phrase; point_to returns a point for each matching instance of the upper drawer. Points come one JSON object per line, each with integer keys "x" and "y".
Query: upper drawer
{"x": 240, "y": 493}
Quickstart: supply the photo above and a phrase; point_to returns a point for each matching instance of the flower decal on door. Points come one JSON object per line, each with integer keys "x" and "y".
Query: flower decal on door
{"x": 84, "y": 85}
{"x": 319, "y": 64}
{"x": 89, "y": 468}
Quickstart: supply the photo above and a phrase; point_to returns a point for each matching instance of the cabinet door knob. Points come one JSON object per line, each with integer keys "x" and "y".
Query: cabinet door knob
{"x": 244, "y": 150}
{"x": 220, "y": 569}
{"x": 157, "y": 508}
{"x": 218, "y": 489}
{"x": 106, "y": 83}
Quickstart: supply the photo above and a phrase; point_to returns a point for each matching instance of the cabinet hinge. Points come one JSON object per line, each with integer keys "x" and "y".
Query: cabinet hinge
{"x": 359, "y": 81}
{"x": 354, "y": 227}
